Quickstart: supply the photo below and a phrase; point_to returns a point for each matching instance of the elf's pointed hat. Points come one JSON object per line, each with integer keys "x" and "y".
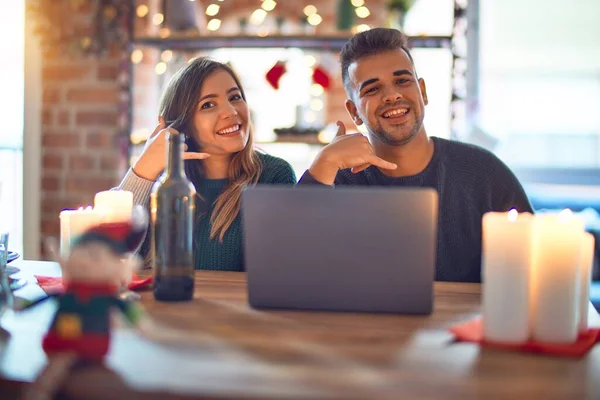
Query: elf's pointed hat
{"x": 121, "y": 237}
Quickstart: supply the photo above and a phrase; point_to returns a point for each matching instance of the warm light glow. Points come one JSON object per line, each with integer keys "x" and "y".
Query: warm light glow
{"x": 314, "y": 19}
{"x": 164, "y": 32}
{"x": 158, "y": 19}
{"x": 310, "y": 117}
{"x": 360, "y": 28}
{"x": 310, "y": 10}
{"x": 212, "y": 10}
{"x": 263, "y": 32}
{"x": 310, "y": 60}
{"x": 316, "y": 104}
{"x": 142, "y": 11}
{"x": 137, "y": 56}
{"x": 565, "y": 215}
{"x": 139, "y": 136}
{"x": 358, "y": 3}
{"x": 166, "y": 56}
{"x": 213, "y": 24}
{"x": 268, "y": 5}
{"x": 362, "y": 12}
{"x": 513, "y": 215}
{"x": 316, "y": 90}
{"x": 160, "y": 68}
{"x": 258, "y": 16}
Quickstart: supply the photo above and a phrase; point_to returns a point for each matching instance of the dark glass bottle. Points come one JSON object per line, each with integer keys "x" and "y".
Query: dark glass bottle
{"x": 172, "y": 208}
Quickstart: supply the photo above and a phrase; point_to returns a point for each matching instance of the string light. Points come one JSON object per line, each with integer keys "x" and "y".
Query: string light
{"x": 142, "y": 11}
{"x": 310, "y": 117}
{"x": 158, "y": 19}
{"x": 316, "y": 104}
{"x": 358, "y": 3}
{"x": 310, "y": 10}
{"x": 214, "y": 24}
{"x": 160, "y": 68}
{"x": 360, "y": 28}
{"x": 166, "y": 56}
{"x": 268, "y": 5}
{"x": 212, "y": 10}
{"x": 164, "y": 32}
{"x": 137, "y": 56}
{"x": 314, "y": 19}
{"x": 258, "y": 16}
{"x": 362, "y": 12}
{"x": 310, "y": 60}
{"x": 316, "y": 90}
{"x": 263, "y": 32}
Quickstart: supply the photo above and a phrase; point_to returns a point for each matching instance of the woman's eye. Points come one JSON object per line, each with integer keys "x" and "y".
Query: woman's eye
{"x": 206, "y": 105}
{"x": 235, "y": 97}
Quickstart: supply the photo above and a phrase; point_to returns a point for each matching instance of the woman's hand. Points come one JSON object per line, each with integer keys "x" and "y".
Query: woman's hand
{"x": 153, "y": 159}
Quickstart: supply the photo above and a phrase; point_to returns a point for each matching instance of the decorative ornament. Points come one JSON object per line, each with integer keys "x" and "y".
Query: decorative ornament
{"x": 275, "y": 73}
{"x": 345, "y": 15}
{"x": 92, "y": 274}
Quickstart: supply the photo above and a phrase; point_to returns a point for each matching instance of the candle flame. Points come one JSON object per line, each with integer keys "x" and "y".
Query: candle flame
{"x": 512, "y": 215}
{"x": 565, "y": 215}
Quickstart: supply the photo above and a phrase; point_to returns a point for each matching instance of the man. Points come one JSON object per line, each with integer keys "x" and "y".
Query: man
{"x": 385, "y": 93}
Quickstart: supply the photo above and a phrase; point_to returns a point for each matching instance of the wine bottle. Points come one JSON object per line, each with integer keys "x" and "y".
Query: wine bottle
{"x": 172, "y": 206}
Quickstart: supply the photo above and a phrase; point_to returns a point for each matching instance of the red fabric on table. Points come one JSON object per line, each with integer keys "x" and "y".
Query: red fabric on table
{"x": 51, "y": 284}
{"x": 472, "y": 331}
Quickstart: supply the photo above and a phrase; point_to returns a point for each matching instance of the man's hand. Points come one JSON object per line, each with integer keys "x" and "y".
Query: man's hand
{"x": 153, "y": 159}
{"x": 345, "y": 151}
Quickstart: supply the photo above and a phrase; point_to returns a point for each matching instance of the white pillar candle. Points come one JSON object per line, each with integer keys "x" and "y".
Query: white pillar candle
{"x": 73, "y": 223}
{"x": 556, "y": 278}
{"x": 587, "y": 262}
{"x": 115, "y": 205}
{"x": 506, "y": 251}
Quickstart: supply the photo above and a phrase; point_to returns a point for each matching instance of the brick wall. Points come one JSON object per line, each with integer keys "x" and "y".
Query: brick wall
{"x": 81, "y": 151}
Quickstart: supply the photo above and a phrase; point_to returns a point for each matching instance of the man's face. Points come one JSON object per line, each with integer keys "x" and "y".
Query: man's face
{"x": 387, "y": 96}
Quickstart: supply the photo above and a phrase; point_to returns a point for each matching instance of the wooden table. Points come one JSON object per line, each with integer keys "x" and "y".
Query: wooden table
{"x": 228, "y": 350}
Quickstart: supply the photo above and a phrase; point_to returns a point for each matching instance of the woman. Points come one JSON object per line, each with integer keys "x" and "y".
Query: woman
{"x": 206, "y": 102}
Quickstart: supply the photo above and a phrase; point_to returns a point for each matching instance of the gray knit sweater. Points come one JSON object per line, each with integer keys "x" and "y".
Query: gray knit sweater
{"x": 470, "y": 181}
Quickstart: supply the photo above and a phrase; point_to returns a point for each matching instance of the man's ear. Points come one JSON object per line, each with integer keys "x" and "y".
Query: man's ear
{"x": 353, "y": 111}
{"x": 423, "y": 91}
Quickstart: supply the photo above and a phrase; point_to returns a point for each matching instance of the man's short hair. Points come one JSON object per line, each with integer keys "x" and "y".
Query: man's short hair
{"x": 370, "y": 42}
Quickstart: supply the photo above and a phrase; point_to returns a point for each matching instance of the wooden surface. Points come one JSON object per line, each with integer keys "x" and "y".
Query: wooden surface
{"x": 217, "y": 347}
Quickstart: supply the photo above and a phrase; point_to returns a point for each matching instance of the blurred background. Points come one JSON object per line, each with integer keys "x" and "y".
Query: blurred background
{"x": 82, "y": 79}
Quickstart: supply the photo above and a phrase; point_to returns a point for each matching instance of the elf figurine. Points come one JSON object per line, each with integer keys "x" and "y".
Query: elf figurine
{"x": 92, "y": 274}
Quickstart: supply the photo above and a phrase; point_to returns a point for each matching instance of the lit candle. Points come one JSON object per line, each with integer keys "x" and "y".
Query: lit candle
{"x": 506, "y": 245}
{"x": 587, "y": 262}
{"x": 556, "y": 279}
{"x": 115, "y": 205}
{"x": 75, "y": 222}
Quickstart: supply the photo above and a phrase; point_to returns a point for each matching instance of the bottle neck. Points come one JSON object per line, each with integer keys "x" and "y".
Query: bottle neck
{"x": 175, "y": 156}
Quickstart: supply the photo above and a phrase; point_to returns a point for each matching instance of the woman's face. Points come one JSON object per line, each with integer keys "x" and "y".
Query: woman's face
{"x": 221, "y": 116}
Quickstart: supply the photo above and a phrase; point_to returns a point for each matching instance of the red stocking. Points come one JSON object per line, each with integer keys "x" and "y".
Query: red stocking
{"x": 275, "y": 73}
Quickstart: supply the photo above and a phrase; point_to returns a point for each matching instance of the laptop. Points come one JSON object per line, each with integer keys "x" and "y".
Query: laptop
{"x": 358, "y": 249}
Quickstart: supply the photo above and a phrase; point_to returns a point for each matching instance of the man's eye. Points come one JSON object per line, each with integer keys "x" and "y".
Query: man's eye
{"x": 371, "y": 90}
{"x": 401, "y": 81}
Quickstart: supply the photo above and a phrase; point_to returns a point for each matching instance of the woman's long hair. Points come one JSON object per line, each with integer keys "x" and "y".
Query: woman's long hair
{"x": 178, "y": 105}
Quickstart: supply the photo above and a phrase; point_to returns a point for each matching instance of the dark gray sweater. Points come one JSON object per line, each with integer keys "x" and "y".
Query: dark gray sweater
{"x": 470, "y": 181}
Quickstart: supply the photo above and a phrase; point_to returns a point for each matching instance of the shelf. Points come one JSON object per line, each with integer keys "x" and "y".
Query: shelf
{"x": 293, "y": 138}
{"x": 276, "y": 41}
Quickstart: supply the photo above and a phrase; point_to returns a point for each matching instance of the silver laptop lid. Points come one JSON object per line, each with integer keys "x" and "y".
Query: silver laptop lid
{"x": 344, "y": 249}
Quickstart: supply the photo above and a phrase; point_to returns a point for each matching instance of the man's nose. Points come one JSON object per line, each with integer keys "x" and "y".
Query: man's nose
{"x": 391, "y": 95}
